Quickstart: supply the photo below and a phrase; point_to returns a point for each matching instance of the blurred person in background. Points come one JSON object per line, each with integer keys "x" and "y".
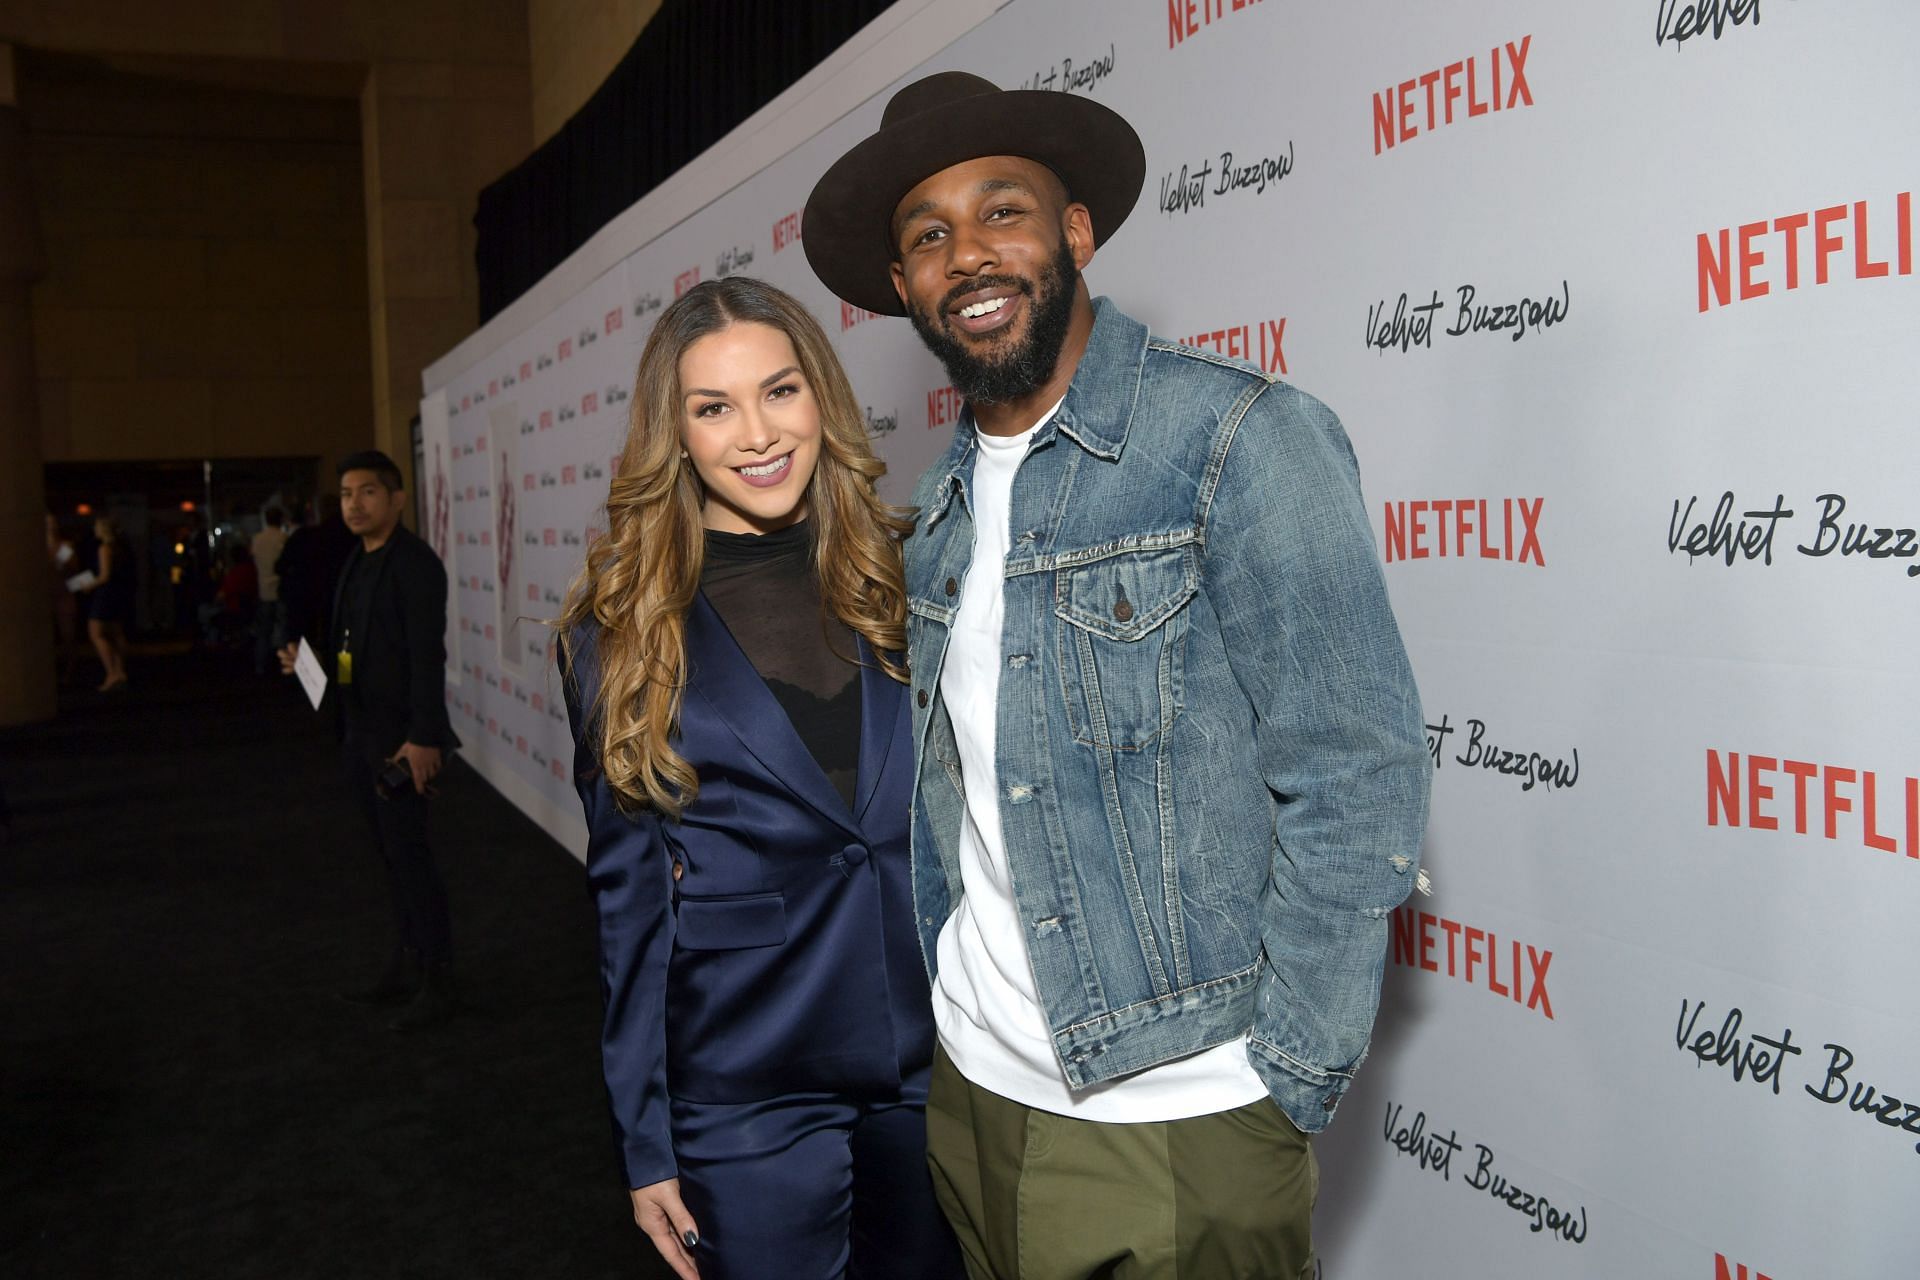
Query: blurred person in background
{"x": 110, "y": 604}
{"x": 63, "y": 562}
{"x": 309, "y": 567}
{"x": 269, "y": 615}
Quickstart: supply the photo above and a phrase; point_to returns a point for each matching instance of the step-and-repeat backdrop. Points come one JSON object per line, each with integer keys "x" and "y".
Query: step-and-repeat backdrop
{"x": 1618, "y": 304}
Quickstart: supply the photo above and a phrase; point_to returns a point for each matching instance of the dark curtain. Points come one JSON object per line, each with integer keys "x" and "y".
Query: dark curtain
{"x": 699, "y": 68}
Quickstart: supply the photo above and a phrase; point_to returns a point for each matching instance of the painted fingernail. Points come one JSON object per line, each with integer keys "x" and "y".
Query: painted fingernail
{"x": 692, "y": 1239}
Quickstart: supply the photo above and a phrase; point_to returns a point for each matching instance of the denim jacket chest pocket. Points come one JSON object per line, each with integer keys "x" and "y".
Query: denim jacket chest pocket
{"x": 1122, "y": 648}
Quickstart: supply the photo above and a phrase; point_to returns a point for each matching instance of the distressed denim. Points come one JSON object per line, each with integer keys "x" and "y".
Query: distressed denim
{"x": 1212, "y": 769}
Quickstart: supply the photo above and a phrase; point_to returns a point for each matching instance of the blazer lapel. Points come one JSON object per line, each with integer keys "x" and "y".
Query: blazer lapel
{"x": 881, "y": 700}
{"x": 721, "y": 673}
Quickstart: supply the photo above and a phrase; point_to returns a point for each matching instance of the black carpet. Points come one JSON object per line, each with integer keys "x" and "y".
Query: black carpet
{"x": 181, "y": 1093}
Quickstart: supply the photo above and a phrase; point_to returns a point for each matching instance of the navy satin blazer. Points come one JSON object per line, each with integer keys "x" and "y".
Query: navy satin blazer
{"x": 785, "y": 958}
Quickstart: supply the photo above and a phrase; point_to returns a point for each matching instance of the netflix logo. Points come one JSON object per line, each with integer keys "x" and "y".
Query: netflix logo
{"x": 493, "y": 387}
{"x": 1723, "y": 1269}
{"x": 590, "y": 402}
{"x": 546, "y": 419}
{"x": 1466, "y": 528}
{"x": 528, "y": 483}
{"x": 568, "y": 475}
{"x": 686, "y": 280}
{"x": 1187, "y": 18}
{"x": 786, "y": 231}
{"x": 1396, "y": 112}
{"x": 526, "y": 370}
{"x": 612, "y": 321}
{"x": 1259, "y": 344}
{"x": 1733, "y": 260}
{"x": 943, "y": 407}
{"x": 559, "y": 772}
{"x": 533, "y": 594}
{"x": 1885, "y": 819}
{"x": 1415, "y": 942}
{"x": 851, "y": 315}
{"x": 565, "y": 349}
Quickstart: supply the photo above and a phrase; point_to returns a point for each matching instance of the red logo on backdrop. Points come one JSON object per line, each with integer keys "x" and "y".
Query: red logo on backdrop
{"x": 943, "y": 407}
{"x": 786, "y": 231}
{"x": 465, "y": 401}
{"x": 488, "y": 631}
{"x": 1395, "y": 111}
{"x": 1185, "y": 18}
{"x": 520, "y": 744}
{"x": 550, "y": 538}
{"x": 566, "y": 348}
{"x": 686, "y": 280}
{"x": 480, "y": 444}
{"x": 527, "y": 482}
{"x": 493, "y": 387}
{"x": 1465, "y": 528}
{"x": 493, "y": 725}
{"x": 1818, "y": 792}
{"x": 1416, "y": 944}
{"x": 558, "y": 772}
{"x": 533, "y": 593}
{"x": 612, "y": 321}
{"x": 851, "y": 315}
{"x": 1742, "y": 250}
{"x": 1724, "y": 1270}
{"x": 567, "y": 475}
{"x": 1243, "y": 342}
{"x": 590, "y": 402}
{"x": 546, "y": 419}
{"x": 539, "y": 703}
{"x": 526, "y": 370}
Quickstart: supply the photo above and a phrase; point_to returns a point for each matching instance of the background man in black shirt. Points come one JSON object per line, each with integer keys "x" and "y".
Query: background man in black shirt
{"x": 387, "y": 639}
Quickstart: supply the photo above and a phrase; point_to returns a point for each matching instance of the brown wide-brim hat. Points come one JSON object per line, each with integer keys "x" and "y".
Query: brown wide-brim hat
{"x": 944, "y": 120}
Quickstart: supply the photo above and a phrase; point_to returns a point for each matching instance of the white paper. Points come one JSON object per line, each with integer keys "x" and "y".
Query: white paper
{"x": 312, "y": 678}
{"x": 64, "y": 556}
{"x": 82, "y": 581}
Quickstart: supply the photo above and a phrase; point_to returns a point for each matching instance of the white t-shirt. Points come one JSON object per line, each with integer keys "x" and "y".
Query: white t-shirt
{"x": 984, "y": 1000}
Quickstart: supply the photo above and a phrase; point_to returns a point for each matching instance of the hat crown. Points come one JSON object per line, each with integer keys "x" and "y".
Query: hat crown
{"x": 931, "y": 92}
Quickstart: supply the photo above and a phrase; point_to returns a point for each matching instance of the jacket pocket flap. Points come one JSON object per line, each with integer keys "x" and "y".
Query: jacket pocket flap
{"x": 1124, "y": 597}
{"x": 728, "y": 924}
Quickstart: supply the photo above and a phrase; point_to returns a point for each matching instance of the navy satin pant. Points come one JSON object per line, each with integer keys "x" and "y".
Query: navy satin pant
{"x": 813, "y": 1186}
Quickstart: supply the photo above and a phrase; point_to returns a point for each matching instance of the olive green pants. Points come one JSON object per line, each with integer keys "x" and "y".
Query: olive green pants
{"x": 1038, "y": 1196}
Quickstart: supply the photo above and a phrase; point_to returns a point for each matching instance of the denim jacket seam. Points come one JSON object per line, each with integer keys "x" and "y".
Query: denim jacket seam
{"x": 1089, "y": 1024}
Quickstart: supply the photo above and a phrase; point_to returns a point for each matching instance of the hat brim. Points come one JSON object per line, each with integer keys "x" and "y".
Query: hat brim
{"x": 846, "y": 228}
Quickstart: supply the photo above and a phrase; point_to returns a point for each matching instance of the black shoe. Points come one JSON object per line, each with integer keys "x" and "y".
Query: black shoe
{"x": 432, "y": 1005}
{"x": 399, "y": 984}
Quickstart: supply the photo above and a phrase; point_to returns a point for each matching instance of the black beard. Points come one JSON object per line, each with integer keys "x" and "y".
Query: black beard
{"x": 1015, "y": 369}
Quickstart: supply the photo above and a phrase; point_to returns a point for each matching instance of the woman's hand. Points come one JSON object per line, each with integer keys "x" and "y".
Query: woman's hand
{"x": 658, "y": 1211}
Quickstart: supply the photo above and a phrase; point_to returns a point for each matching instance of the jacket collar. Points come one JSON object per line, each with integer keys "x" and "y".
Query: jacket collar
{"x": 1096, "y": 414}
{"x": 723, "y": 676}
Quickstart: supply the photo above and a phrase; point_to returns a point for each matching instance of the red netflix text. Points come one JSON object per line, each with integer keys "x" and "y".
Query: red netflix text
{"x": 1724, "y": 1270}
{"x": 686, "y": 280}
{"x": 1396, "y": 112}
{"x": 851, "y": 315}
{"x": 546, "y": 419}
{"x": 1261, "y": 346}
{"x": 943, "y": 407}
{"x": 1416, "y": 943}
{"x": 1733, "y": 260}
{"x": 1752, "y": 793}
{"x": 566, "y": 348}
{"x": 786, "y": 231}
{"x": 612, "y": 321}
{"x": 590, "y": 402}
{"x": 1186, "y": 17}
{"x": 1466, "y": 527}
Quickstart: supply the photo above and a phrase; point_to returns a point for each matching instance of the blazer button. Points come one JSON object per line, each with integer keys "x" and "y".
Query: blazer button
{"x": 921, "y": 697}
{"x": 1123, "y": 611}
{"x": 855, "y": 854}
{"x": 953, "y": 585}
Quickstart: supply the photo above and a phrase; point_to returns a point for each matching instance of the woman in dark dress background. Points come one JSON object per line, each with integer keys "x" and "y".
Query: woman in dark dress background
{"x": 110, "y": 607}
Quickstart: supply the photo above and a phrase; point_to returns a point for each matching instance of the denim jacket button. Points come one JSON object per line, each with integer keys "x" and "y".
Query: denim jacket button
{"x": 953, "y": 585}
{"x": 921, "y": 698}
{"x": 1123, "y": 611}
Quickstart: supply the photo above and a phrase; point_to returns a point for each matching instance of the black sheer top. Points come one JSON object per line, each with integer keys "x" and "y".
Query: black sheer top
{"x": 764, "y": 589}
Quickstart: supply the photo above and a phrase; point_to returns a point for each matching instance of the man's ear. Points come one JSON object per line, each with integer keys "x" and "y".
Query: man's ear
{"x": 899, "y": 282}
{"x": 1076, "y": 224}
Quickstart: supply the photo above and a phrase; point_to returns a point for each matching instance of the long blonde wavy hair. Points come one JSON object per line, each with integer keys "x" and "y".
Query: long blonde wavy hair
{"x": 640, "y": 578}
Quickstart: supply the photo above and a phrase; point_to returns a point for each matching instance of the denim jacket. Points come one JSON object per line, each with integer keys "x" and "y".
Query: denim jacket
{"x": 1211, "y": 756}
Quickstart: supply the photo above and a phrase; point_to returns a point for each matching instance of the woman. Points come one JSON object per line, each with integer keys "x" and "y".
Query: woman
{"x": 63, "y": 562}
{"x": 111, "y": 606}
{"x": 744, "y": 756}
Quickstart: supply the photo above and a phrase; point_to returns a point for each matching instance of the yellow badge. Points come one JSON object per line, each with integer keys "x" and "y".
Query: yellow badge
{"x": 343, "y": 666}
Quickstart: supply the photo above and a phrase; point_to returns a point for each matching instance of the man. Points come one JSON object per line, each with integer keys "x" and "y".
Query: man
{"x": 1171, "y": 776}
{"x": 269, "y": 616}
{"x": 388, "y": 643}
